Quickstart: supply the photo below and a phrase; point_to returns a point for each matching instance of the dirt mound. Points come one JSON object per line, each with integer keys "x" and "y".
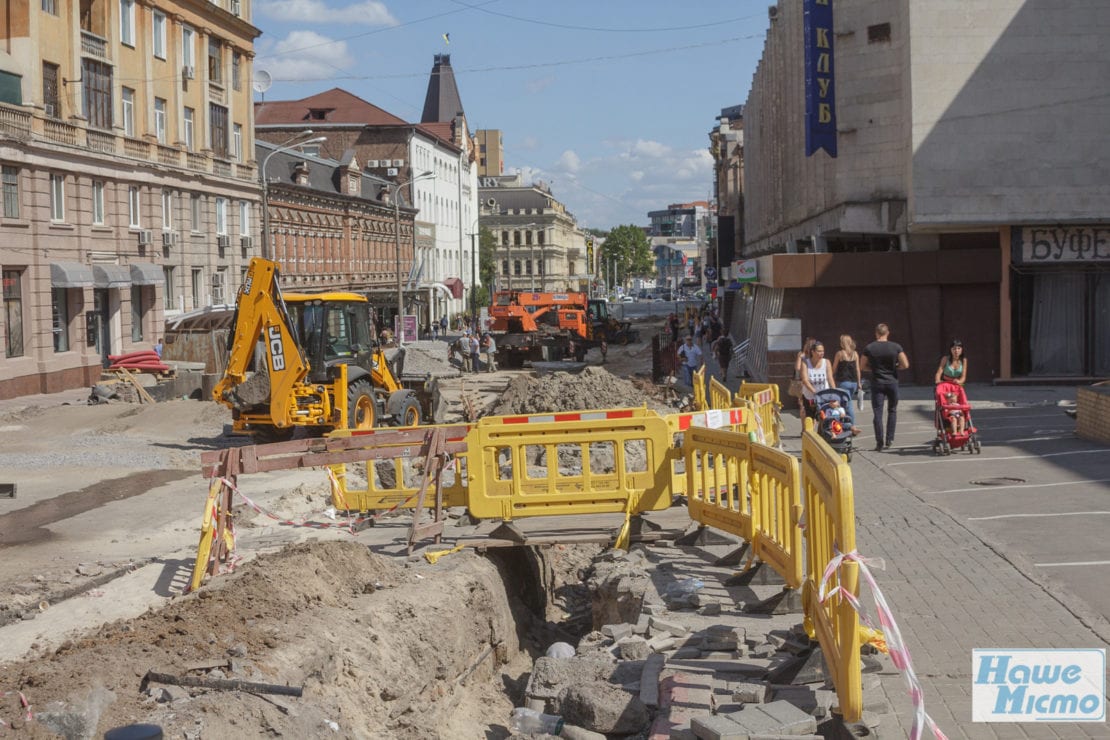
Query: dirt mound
{"x": 373, "y": 642}
{"x": 593, "y": 388}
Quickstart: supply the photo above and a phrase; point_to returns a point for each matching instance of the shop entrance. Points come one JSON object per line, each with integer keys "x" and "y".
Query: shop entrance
{"x": 1061, "y": 321}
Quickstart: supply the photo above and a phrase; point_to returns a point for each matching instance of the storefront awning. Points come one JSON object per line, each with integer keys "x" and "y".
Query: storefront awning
{"x": 455, "y": 285}
{"x": 147, "y": 273}
{"x": 111, "y": 276}
{"x": 70, "y": 275}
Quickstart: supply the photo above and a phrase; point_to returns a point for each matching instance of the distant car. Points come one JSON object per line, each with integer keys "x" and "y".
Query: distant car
{"x": 627, "y": 299}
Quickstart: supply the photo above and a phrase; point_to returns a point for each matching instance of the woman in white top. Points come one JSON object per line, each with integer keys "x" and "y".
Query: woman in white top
{"x": 816, "y": 375}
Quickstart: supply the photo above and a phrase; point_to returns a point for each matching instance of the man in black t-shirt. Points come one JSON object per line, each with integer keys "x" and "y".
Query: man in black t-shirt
{"x": 884, "y": 359}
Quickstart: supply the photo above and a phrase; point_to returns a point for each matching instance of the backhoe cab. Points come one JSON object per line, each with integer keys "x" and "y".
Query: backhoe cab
{"x": 316, "y": 362}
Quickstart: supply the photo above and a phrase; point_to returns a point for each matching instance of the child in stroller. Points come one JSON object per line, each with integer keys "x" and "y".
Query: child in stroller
{"x": 952, "y": 417}
{"x": 832, "y": 420}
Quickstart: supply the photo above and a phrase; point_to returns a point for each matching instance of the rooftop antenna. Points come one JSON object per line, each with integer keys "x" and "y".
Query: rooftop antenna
{"x": 261, "y": 82}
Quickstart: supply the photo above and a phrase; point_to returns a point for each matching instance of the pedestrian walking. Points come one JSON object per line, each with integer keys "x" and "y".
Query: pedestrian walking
{"x": 475, "y": 346}
{"x": 489, "y": 347}
{"x": 692, "y": 360}
{"x": 846, "y": 371}
{"x": 722, "y": 348}
{"x": 443, "y": 325}
{"x": 462, "y": 348}
{"x": 435, "y": 330}
{"x": 604, "y": 347}
{"x": 816, "y": 376}
{"x": 884, "y": 358}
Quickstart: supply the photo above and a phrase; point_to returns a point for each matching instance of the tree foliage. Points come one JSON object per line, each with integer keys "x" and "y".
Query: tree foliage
{"x": 628, "y": 249}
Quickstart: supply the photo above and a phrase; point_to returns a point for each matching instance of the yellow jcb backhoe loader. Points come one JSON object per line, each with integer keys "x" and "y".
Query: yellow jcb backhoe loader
{"x": 317, "y": 363}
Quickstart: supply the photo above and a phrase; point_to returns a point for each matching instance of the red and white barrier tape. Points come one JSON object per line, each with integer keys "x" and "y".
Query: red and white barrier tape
{"x": 899, "y": 654}
{"x": 28, "y": 716}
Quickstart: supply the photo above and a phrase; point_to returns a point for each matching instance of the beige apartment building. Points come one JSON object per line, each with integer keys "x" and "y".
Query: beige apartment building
{"x": 491, "y": 153}
{"x": 130, "y": 189}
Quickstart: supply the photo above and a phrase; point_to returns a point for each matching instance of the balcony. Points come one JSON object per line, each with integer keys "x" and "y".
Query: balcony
{"x": 136, "y": 148}
{"x": 93, "y": 45}
{"x": 15, "y": 122}
{"x": 61, "y": 133}
{"x": 101, "y": 141}
{"x": 169, "y": 155}
{"x": 221, "y": 167}
{"x": 196, "y": 161}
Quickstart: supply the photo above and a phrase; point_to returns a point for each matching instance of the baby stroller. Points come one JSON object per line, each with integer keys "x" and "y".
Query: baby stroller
{"x": 834, "y": 423}
{"x": 950, "y": 412}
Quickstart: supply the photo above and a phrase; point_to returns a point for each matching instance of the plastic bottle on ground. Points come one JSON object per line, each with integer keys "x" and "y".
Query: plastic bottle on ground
{"x": 525, "y": 721}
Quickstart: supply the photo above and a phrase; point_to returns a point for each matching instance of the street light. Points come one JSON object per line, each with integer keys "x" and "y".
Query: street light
{"x": 397, "y": 237}
{"x": 474, "y": 232}
{"x": 290, "y": 144}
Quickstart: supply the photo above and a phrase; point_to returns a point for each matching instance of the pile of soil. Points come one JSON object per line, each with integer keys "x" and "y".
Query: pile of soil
{"x": 593, "y": 388}
{"x": 409, "y": 649}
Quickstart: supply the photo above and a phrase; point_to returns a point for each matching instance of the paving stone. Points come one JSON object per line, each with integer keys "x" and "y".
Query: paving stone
{"x": 753, "y": 721}
{"x": 683, "y": 733}
{"x": 653, "y": 609}
{"x": 617, "y": 631}
{"x": 750, "y": 692}
{"x": 791, "y": 719}
{"x": 649, "y": 680}
{"x": 813, "y": 701}
{"x": 717, "y": 727}
{"x": 686, "y": 653}
{"x": 633, "y": 648}
{"x": 669, "y": 626}
{"x": 711, "y": 609}
{"x": 662, "y": 643}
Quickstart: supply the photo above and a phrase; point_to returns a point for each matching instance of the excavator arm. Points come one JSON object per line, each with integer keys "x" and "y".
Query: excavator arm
{"x": 261, "y": 316}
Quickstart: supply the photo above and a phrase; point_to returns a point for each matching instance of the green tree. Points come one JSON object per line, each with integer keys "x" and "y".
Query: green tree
{"x": 487, "y": 266}
{"x": 628, "y": 250}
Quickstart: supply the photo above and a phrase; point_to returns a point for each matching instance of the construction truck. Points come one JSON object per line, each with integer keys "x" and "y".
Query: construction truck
{"x": 307, "y": 360}
{"x": 535, "y": 327}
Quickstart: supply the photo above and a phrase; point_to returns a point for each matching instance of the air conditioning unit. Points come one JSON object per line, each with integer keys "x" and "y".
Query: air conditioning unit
{"x": 491, "y": 202}
{"x": 371, "y": 164}
{"x": 217, "y": 279}
{"x": 145, "y": 237}
{"x": 189, "y": 72}
{"x": 50, "y": 110}
{"x": 236, "y": 8}
{"x": 223, "y": 241}
{"x": 169, "y": 238}
{"x": 398, "y": 163}
{"x": 392, "y": 172}
{"x": 245, "y": 242}
{"x": 773, "y": 12}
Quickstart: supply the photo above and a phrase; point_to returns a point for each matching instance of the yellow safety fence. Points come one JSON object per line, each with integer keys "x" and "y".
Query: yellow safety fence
{"x": 720, "y": 397}
{"x": 700, "y": 401}
{"x": 831, "y": 528}
{"x": 749, "y": 490}
{"x": 764, "y": 401}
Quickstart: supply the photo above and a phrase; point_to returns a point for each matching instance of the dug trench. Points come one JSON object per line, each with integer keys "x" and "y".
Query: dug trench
{"x": 381, "y": 648}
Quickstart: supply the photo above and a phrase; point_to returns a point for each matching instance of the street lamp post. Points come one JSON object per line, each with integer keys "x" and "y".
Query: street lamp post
{"x": 290, "y": 144}
{"x": 397, "y": 238}
{"x": 473, "y": 234}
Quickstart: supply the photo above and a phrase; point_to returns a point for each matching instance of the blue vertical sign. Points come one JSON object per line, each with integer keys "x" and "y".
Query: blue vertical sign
{"x": 820, "y": 90}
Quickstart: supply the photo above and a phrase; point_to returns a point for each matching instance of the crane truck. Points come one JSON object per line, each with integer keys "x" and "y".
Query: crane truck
{"x": 307, "y": 360}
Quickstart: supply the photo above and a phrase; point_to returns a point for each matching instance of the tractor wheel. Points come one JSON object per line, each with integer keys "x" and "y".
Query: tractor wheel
{"x": 410, "y": 414}
{"x": 361, "y": 412}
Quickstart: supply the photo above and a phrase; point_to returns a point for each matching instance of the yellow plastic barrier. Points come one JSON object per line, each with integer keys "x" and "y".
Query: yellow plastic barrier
{"x": 734, "y": 419}
{"x": 700, "y": 401}
{"x": 777, "y": 492}
{"x": 831, "y": 527}
{"x": 720, "y": 397}
{"x": 764, "y": 400}
{"x": 615, "y": 461}
{"x": 717, "y": 467}
{"x": 394, "y": 468}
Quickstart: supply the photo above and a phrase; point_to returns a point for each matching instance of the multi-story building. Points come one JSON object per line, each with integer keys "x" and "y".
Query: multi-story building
{"x": 537, "y": 243}
{"x": 433, "y": 163}
{"x": 334, "y": 226}
{"x": 726, "y": 145}
{"x": 950, "y": 188}
{"x": 680, "y": 236}
{"x": 130, "y": 188}
{"x": 491, "y": 153}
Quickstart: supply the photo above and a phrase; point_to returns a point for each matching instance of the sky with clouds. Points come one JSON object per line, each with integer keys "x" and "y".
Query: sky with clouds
{"x": 609, "y": 101}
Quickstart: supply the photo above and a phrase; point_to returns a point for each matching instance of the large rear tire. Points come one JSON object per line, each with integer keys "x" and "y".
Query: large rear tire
{"x": 361, "y": 412}
{"x": 410, "y": 414}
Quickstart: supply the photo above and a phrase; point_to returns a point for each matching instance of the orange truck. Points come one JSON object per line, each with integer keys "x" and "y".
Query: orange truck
{"x": 535, "y": 327}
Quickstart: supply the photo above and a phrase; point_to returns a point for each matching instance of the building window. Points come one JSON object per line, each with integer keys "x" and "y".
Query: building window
{"x": 218, "y": 285}
{"x": 188, "y": 55}
{"x": 516, "y": 267}
{"x": 13, "y": 312}
{"x": 505, "y": 238}
{"x": 221, "y": 216}
{"x": 137, "y": 313}
{"x": 237, "y": 141}
{"x": 98, "y": 202}
{"x": 11, "y": 191}
{"x": 528, "y": 237}
{"x": 167, "y": 210}
{"x": 133, "y": 207}
{"x": 189, "y": 141}
{"x": 194, "y": 211}
{"x": 128, "y": 112}
{"x": 540, "y": 237}
{"x": 217, "y": 129}
{"x": 159, "y": 34}
{"x": 244, "y": 218}
{"x": 237, "y": 8}
{"x": 528, "y": 266}
{"x": 236, "y": 70}
{"x": 215, "y": 62}
{"x": 504, "y": 267}
{"x": 96, "y": 93}
{"x": 57, "y": 197}
{"x": 198, "y": 287}
{"x": 127, "y": 22}
{"x": 168, "y": 298}
{"x": 516, "y": 238}
{"x": 59, "y": 309}
{"x": 878, "y": 33}
{"x": 50, "y": 6}
{"x": 160, "y": 119}
{"x": 51, "y": 105}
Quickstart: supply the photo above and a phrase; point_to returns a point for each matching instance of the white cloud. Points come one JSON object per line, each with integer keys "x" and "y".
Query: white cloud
{"x": 569, "y": 161}
{"x": 650, "y": 149}
{"x": 316, "y": 57}
{"x": 538, "y": 85}
{"x": 636, "y": 175}
{"x": 367, "y": 12}
{"x": 529, "y": 143}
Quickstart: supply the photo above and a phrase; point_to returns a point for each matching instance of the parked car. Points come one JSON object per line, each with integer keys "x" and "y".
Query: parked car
{"x": 627, "y": 299}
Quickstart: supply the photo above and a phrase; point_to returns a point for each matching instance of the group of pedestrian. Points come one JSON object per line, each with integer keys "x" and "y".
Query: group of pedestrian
{"x": 882, "y": 358}
{"x": 469, "y": 348}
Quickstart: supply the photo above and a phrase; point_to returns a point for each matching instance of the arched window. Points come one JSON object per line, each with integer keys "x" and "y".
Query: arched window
{"x": 528, "y": 266}
{"x": 516, "y": 267}
{"x": 528, "y": 237}
{"x": 516, "y": 238}
{"x": 504, "y": 267}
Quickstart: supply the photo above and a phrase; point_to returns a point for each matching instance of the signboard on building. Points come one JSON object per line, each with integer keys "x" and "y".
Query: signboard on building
{"x": 747, "y": 271}
{"x": 1052, "y": 245}
{"x": 819, "y": 88}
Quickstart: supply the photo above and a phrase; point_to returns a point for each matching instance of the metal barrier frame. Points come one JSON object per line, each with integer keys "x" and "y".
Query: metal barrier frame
{"x": 718, "y": 480}
{"x": 831, "y": 528}
{"x": 764, "y": 401}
